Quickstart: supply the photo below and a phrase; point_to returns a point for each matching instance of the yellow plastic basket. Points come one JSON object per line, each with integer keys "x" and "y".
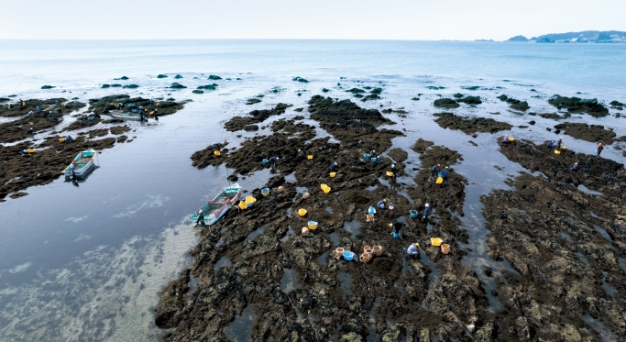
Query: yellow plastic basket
{"x": 309, "y": 157}
{"x": 557, "y": 152}
{"x": 302, "y": 212}
{"x": 61, "y": 139}
{"x": 389, "y": 173}
{"x": 439, "y": 180}
{"x": 511, "y": 139}
{"x": 217, "y": 153}
{"x": 242, "y": 205}
{"x": 333, "y": 174}
{"x": 436, "y": 242}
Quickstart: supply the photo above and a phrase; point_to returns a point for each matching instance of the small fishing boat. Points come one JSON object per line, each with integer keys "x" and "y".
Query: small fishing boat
{"x": 219, "y": 206}
{"x": 118, "y": 114}
{"x": 81, "y": 165}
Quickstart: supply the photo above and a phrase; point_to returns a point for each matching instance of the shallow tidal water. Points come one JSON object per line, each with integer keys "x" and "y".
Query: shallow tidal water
{"x": 89, "y": 262}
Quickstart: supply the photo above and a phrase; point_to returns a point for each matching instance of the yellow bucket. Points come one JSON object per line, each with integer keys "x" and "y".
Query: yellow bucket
{"x": 151, "y": 113}
{"x": 217, "y": 153}
{"x": 250, "y": 200}
{"x": 389, "y": 173}
{"x": 323, "y": 186}
{"x": 511, "y": 139}
{"x": 557, "y": 152}
{"x": 31, "y": 151}
{"x": 563, "y": 147}
{"x": 439, "y": 180}
{"x": 242, "y": 205}
{"x": 312, "y": 225}
{"x": 327, "y": 190}
{"x": 333, "y": 174}
{"x": 309, "y": 157}
{"x": 436, "y": 242}
{"x": 61, "y": 139}
{"x": 158, "y": 103}
{"x": 302, "y": 212}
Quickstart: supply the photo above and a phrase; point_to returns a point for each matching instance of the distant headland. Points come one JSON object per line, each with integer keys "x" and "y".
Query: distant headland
{"x": 575, "y": 37}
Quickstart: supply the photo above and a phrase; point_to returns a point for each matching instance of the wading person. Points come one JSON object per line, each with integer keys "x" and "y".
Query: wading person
{"x": 599, "y": 149}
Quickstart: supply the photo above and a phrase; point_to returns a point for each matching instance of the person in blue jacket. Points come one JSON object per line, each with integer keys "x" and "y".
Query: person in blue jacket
{"x": 435, "y": 170}
{"x": 549, "y": 145}
{"x": 444, "y": 175}
{"x": 412, "y": 250}
{"x": 426, "y": 212}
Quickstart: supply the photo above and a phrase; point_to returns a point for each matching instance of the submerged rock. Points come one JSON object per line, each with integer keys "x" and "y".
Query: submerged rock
{"x": 47, "y": 87}
{"x": 177, "y": 85}
{"x": 470, "y": 125}
{"x": 446, "y": 103}
{"x": 161, "y": 76}
{"x": 214, "y": 77}
{"x": 578, "y": 105}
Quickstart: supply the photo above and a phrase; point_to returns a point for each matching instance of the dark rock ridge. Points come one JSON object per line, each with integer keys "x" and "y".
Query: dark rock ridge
{"x": 592, "y": 133}
{"x": 239, "y": 122}
{"x": 470, "y": 125}
{"x": 515, "y": 104}
{"x": 578, "y": 105}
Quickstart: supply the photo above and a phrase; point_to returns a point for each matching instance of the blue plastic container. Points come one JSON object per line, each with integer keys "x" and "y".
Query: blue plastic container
{"x": 366, "y": 156}
{"x": 373, "y": 159}
{"x": 413, "y": 213}
{"x": 395, "y": 235}
{"x": 265, "y": 161}
{"x": 140, "y": 107}
{"x": 371, "y": 210}
{"x": 91, "y": 117}
{"x": 134, "y": 111}
{"x": 264, "y": 191}
{"x": 348, "y": 255}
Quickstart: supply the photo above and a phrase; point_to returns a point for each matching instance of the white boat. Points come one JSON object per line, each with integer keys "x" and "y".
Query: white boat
{"x": 219, "y": 206}
{"x": 81, "y": 165}
{"x": 118, "y": 114}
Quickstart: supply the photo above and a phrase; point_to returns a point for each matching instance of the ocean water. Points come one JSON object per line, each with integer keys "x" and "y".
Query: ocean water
{"x": 88, "y": 262}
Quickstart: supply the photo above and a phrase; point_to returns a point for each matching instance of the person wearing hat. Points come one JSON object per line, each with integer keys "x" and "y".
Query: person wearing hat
{"x": 200, "y": 216}
{"x": 575, "y": 167}
{"x": 382, "y": 203}
{"x": 273, "y": 160}
{"x": 394, "y": 171}
{"x": 412, "y": 250}
{"x": 559, "y": 143}
{"x": 333, "y": 166}
{"x": 549, "y": 145}
{"x": 396, "y": 226}
{"x": 426, "y": 212}
{"x": 600, "y": 148}
{"x": 373, "y": 154}
{"x": 435, "y": 170}
{"x": 444, "y": 175}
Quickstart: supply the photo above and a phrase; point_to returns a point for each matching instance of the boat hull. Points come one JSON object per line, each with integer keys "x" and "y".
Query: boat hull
{"x": 220, "y": 205}
{"x": 83, "y": 165}
{"x": 126, "y": 116}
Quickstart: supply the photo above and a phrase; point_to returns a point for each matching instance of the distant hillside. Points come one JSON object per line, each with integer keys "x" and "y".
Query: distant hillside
{"x": 576, "y": 37}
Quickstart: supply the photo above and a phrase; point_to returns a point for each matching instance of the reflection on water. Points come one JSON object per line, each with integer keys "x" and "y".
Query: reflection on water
{"x": 106, "y": 294}
{"x": 239, "y": 329}
{"x": 288, "y": 282}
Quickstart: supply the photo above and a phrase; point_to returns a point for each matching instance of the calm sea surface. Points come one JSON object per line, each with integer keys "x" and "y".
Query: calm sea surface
{"x": 88, "y": 262}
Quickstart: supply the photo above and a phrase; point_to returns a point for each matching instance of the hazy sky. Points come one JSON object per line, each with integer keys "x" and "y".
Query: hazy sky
{"x": 302, "y": 19}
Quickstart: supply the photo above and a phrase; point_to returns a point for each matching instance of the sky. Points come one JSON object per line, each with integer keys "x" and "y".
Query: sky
{"x": 302, "y": 19}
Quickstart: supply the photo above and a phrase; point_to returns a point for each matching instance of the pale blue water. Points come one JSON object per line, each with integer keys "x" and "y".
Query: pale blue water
{"x": 71, "y": 258}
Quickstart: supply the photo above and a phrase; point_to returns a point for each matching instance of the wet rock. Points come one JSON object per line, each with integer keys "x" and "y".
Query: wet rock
{"x": 177, "y": 85}
{"x": 578, "y": 105}
{"x": 300, "y": 79}
{"x": 257, "y": 116}
{"x": 592, "y": 133}
{"x": 515, "y": 104}
{"x": 161, "y": 76}
{"x": 470, "y": 125}
{"x": 446, "y": 103}
{"x": 47, "y": 87}
{"x": 208, "y": 87}
{"x": 214, "y": 77}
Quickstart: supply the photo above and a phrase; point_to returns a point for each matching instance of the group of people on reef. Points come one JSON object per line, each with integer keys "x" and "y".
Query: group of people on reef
{"x": 557, "y": 146}
{"x": 444, "y": 174}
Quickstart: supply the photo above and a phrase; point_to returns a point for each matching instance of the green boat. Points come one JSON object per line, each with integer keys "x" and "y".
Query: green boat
{"x": 219, "y": 206}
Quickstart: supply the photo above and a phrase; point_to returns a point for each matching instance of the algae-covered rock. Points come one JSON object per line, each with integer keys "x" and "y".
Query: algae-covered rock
{"x": 131, "y": 86}
{"x": 578, "y": 105}
{"x": 458, "y": 96}
{"x": 178, "y": 76}
{"x": 208, "y": 87}
{"x": 446, "y": 103}
{"x": 196, "y": 91}
{"x": 123, "y": 78}
{"x": 435, "y": 88}
{"x": 471, "y": 100}
{"x": 105, "y": 86}
{"x": 161, "y": 76}
{"x": 177, "y": 85}
{"x": 252, "y": 101}
{"x": 47, "y": 87}
{"x": 617, "y": 105}
{"x": 515, "y": 104}
{"x": 325, "y": 90}
{"x": 116, "y": 85}
{"x": 355, "y": 91}
{"x": 214, "y": 77}
{"x": 300, "y": 79}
